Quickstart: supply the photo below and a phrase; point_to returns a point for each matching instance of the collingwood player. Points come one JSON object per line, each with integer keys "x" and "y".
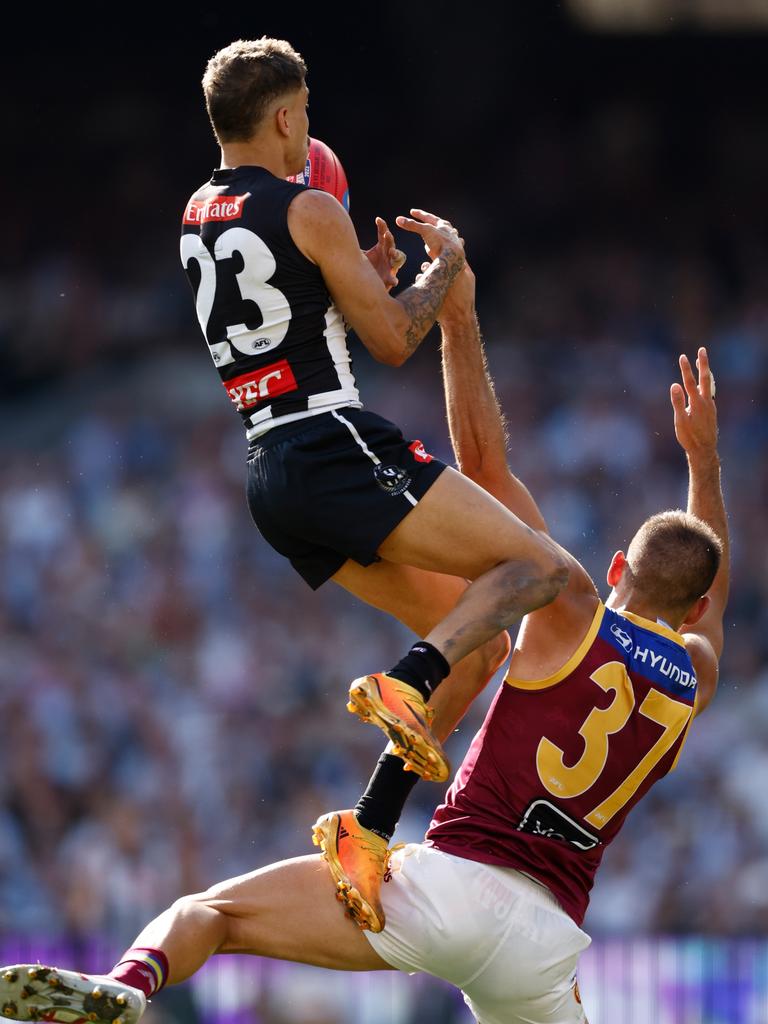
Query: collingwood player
{"x": 278, "y": 274}
{"x": 594, "y": 711}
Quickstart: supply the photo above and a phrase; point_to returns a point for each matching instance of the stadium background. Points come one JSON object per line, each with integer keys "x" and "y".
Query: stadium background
{"x": 172, "y": 695}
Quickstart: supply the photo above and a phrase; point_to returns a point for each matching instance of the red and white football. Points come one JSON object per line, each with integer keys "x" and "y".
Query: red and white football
{"x": 324, "y": 171}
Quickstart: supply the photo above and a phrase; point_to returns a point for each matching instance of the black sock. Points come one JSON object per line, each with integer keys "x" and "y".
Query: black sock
{"x": 423, "y": 668}
{"x": 380, "y": 806}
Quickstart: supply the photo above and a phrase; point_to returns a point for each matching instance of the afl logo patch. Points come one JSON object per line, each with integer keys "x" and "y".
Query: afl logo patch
{"x": 392, "y": 479}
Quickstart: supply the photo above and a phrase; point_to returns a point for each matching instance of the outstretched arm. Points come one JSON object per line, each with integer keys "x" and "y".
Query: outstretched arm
{"x": 696, "y": 432}
{"x": 475, "y": 420}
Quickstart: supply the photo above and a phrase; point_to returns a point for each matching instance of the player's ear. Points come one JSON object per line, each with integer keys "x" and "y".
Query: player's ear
{"x": 281, "y": 121}
{"x": 616, "y": 569}
{"x": 695, "y": 613}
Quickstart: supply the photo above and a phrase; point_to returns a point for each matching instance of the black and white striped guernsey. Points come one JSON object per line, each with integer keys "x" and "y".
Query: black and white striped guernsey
{"x": 276, "y": 338}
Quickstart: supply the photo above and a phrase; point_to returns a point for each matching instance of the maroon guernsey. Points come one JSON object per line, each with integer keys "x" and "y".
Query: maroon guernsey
{"x": 559, "y": 762}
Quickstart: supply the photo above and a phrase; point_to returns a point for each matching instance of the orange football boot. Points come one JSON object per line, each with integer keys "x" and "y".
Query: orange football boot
{"x": 402, "y": 713}
{"x": 357, "y": 858}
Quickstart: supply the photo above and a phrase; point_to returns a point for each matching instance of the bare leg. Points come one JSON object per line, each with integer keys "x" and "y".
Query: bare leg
{"x": 354, "y": 841}
{"x": 287, "y": 911}
{"x": 459, "y": 529}
{"x": 420, "y": 600}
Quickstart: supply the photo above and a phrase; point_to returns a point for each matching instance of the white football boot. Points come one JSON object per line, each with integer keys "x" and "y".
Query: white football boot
{"x": 34, "y": 992}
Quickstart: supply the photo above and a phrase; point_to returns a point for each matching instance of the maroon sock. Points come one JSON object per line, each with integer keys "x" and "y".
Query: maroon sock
{"x": 146, "y": 969}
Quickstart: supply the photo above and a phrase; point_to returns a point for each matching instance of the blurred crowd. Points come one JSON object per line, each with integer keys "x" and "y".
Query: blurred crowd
{"x": 173, "y": 694}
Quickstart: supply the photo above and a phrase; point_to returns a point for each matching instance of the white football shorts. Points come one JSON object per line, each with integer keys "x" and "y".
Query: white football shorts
{"x": 494, "y": 933}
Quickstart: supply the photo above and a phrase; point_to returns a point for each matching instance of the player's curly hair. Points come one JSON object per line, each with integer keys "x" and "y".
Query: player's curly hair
{"x": 673, "y": 559}
{"x": 241, "y": 80}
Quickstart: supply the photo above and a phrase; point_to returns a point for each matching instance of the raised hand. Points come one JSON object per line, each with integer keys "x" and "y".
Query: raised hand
{"x": 438, "y": 234}
{"x": 696, "y": 422}
{"x": 384, "y": 257}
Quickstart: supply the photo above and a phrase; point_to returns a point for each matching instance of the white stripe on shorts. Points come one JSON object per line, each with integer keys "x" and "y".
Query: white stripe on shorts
{"x": 371, "y": 455}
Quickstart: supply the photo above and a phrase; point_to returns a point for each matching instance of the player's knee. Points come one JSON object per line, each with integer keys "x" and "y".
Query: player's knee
{"x": 204, "y": 910}
{"x": 554, "y": 572}
{"x": 554, "y": 579}
{"x": 205, "y": 913}
{"x": 526, "y": 586}
{"x": 558, "y": 572}
{"x": 188, "y": 906}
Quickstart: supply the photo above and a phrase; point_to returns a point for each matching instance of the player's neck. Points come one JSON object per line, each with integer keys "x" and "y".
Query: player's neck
{"x": 629, "y": 603}
{"x": 254, "y": 154}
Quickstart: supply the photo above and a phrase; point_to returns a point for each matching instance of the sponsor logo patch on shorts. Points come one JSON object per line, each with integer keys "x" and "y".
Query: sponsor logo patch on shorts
{"x": 257, "y": 386}
{"x": 419, "y": 451}
{"x": 392, "y": 479}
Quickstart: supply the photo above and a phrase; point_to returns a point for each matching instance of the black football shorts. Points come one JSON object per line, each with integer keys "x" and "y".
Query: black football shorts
{"x": 334, "y": 486}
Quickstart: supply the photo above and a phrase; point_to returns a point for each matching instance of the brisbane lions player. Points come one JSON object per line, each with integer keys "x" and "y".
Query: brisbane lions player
{"x": 595, "y": 709}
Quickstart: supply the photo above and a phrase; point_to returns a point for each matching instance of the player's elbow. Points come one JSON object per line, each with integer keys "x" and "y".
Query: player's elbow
{"x": 394, "y": 357}
{"x": 386, "y": 346}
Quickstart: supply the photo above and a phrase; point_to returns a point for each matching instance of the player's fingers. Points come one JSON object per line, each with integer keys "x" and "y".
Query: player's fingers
{"x": 381, "y": 229}
{"x": 397, "y": 260}
{"x": 408, "y": 224}
{"x": 439, "y": 222}
{"x": 706, "y": 378}
{"x": 689, "y": 381}
{"x": 677, "y": 397}
{"x": 428, "y": 218}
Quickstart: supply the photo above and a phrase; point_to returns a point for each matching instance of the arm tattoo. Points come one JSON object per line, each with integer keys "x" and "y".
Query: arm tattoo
{"x": 422, "y": 301}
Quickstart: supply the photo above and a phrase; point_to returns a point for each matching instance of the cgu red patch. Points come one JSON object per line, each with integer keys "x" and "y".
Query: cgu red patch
{"x": 419, "y": 452}
{"x": 257, "y": 386}
{"x": 201, "y": 211}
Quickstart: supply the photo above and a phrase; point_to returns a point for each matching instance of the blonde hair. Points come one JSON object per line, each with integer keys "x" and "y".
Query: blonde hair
{"x": 673, "y": 559}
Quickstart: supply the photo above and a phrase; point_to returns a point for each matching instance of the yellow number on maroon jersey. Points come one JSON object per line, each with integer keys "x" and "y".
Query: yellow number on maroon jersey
{"x": 566, "y": 781}
{"x": 674, "y": 716}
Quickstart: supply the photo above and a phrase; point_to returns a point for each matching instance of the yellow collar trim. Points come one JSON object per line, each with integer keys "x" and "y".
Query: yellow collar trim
{"x": 577, "y": 656}
{"x": 654, "y": 627}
